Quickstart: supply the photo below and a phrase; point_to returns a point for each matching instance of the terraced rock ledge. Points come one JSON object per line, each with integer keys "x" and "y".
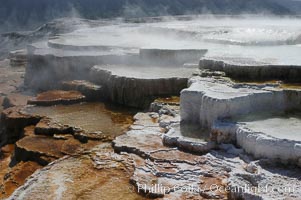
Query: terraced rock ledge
{"x": 138, "y": 86}
{"x": 81, "y": 138}
{"x": 251, "y": 70}
{"x": 219, "y": 105}
{"x": 144, "y": 168}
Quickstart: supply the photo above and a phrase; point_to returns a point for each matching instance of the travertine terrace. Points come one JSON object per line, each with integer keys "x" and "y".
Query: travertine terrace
{"x": 127, "y": 110}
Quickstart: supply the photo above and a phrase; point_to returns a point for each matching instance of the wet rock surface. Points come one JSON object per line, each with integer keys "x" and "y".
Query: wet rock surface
{"x": 143, "y": 167}
{"x": 55, "y": 97}
{"x": 64, "y": 131}
{"x": 129, "y": 168}
{"x": 105, "y": 121}
{"x": 56, "y": 136}
{"x": 45, "y": 149}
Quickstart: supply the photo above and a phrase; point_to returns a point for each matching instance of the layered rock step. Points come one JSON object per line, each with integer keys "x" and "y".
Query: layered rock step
{"x": 44, "y": 149}
{"x": 47, "y": 66}
{"x": 209, "y": 99}
{"x": 85, "y": 121}
{"x": 55, "y": 97}
{"x": 221, "y": 106}
{"x": 60, "y": 130}
{"x": 190, "y": 138}
{"x": 248, "y": 69}
{"x": 275, "y": 137}
{"x": 65, "y": 59}
{"x": 15, "y": 118}
{"x": 138, "y": 86}
{"x": 50, "y": 127}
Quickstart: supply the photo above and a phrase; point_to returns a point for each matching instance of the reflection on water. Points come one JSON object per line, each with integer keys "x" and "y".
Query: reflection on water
{"x": 283, "y": 126}
{"x": 91, "y": 117}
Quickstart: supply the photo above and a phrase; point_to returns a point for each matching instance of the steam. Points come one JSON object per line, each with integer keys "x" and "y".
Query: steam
{"x": 26, "y": 15}
{"x": 266, "y": 39}
{"x": 205, "y": 32}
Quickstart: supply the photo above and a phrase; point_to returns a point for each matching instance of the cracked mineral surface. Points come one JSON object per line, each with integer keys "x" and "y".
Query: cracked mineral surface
{"x": 142, "y": 167}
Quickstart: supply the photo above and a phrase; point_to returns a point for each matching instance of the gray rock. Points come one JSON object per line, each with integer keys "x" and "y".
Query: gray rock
{"x": 138, "y": 86}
